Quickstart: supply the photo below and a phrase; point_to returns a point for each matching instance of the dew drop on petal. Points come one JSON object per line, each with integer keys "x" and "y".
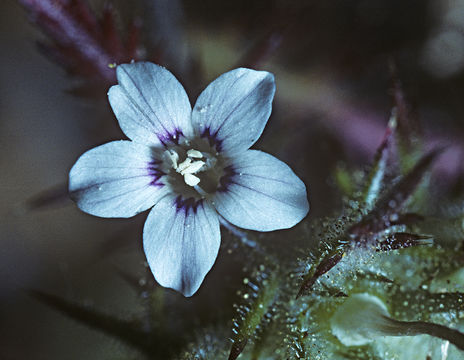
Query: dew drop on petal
{"x": 203, "y": 109}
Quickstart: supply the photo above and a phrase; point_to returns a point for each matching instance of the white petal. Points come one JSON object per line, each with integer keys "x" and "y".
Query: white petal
{"x": 234, "y": 108}
{"x": 263, "y": 194}
{"x": 181, "y": 243}
{"x": 150, "y": 104}
{"x": 360, "y": 320}
{"x": 117, "y": 179}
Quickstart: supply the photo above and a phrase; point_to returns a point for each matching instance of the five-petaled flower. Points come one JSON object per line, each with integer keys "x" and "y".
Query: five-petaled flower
{"x": 191, "y": 166}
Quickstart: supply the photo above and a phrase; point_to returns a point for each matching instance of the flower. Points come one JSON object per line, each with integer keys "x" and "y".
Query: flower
{"x": 363, "y": 318}
{"x": 360, "y": 319}
{"x": 191, "y": 166}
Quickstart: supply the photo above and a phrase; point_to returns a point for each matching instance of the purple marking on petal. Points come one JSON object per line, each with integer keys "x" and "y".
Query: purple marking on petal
{"x": 212, "y": 138}
{"x": 170, "y": 138}
{"x": 226, "y": 179}
{"x": 186, "y": 205}
{"x": 155, "y": 172}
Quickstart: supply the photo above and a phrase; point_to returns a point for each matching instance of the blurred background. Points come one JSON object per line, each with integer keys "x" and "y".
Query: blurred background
{"x": 331, "y": 63}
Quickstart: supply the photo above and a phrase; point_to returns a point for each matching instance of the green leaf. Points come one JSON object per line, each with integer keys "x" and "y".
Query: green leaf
{"x": 382, "y": 161}
{"x": 401, "y": 240}
{"x": 253, "y": 313}
{"x": 128, "y": 332}
{"x": 327, "y": 263}
{"x": 388, "y": 208}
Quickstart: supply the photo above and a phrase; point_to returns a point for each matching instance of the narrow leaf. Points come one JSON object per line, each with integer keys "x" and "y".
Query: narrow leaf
{"x": 387, "y": 209}
{"x": 324, "y": 266}
{"x": 113, "y": 43}
{"x": 401, "y": 240}
{"x": 54, "y": 196}
{"x": 253, "y": 314}
{"x": 81, "y": 44}
{"x": 408, "y": 122}
{"x": 385, "y": 212}
{"x": 344, "y": 181}
{"x": 376, "y": 176}
{"x": 123, "y": 330}
{"x": 262, "y": 50}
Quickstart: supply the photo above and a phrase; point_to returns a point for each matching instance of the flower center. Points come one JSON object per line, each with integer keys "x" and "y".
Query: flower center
{"x": 195, "y": 162}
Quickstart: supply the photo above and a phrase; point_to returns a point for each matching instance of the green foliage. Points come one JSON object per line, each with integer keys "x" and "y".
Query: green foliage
{"x": 387, "y": 241}
{"x": 254, "y": 313}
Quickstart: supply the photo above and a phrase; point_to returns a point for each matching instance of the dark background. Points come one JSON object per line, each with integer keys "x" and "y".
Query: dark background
{"x": 331, "y": 106}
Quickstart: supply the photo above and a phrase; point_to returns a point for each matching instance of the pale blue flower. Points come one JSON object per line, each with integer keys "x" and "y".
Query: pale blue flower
{"x": 191, "y": 166}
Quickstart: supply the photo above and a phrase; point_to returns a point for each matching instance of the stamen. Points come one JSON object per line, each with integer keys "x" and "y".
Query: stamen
{"x": 191, "y": 165}
{"x": 191, "y": 180}
{"x": 192, "y": 168}
{"x": 183, "y": 165}
{"x": 194, "y": 154}
{"x": 188, "y": 167}
{"x": 172, "y": 157}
